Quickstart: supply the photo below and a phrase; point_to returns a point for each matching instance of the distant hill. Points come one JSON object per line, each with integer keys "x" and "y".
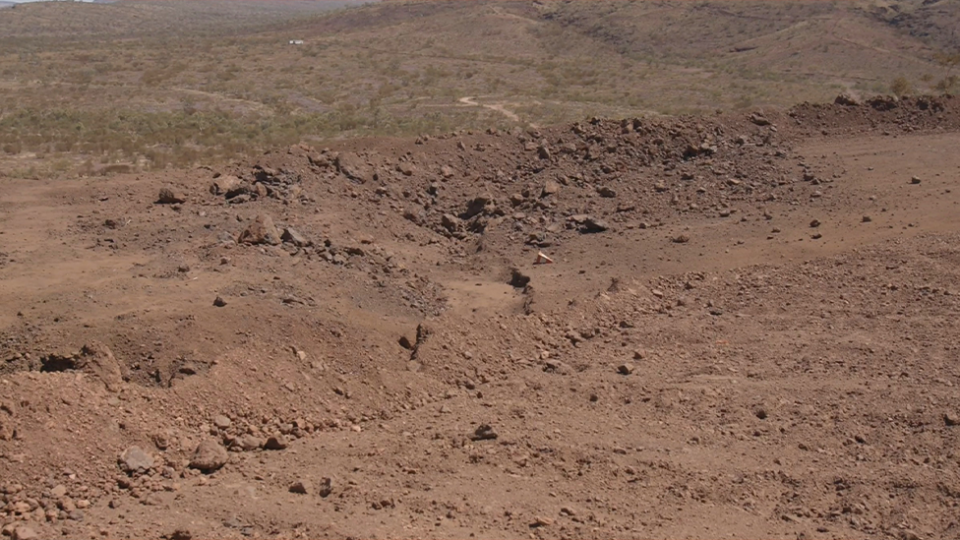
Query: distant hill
{"x": 138, "y": 18}
{"x": 167, "y": 80}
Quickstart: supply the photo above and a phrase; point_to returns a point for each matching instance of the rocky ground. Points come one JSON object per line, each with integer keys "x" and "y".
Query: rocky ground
{"x": 746, "y": 330}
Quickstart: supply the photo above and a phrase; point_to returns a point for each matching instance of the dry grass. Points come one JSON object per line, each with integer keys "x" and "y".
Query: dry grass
{"x": 166, "y": 83}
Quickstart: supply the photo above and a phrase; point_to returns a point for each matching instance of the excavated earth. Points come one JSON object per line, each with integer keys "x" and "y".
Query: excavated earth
{"x": 748, "y": 329}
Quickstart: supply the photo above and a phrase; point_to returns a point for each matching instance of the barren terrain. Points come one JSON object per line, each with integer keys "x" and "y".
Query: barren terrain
{"x": 747, "y": 331}
{"x": 638, "y": 324}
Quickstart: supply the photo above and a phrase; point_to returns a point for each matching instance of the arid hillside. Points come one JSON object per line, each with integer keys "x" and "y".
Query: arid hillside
{"x": 143, "y": 85}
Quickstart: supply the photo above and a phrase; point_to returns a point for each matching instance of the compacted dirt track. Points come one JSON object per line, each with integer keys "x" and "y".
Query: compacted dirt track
{"x": 748, "y": 330}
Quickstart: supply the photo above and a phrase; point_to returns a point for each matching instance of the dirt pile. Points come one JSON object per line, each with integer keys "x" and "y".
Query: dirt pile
{"x": 358, "y": 340}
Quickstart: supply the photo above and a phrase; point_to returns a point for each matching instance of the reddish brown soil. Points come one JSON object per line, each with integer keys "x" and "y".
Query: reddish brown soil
{"x": 761, "y": 342}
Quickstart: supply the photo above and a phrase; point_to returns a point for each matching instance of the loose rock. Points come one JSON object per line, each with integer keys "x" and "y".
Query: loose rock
{"x": 134, "y": 459}
{"x": 518, "y": 278}
{"x": 209, "y": 456}
{"x": 275, "y": 443}
{"x": 97, "y": 359}
{"x": 550, "y": 188}
{"x": 301, "y": 487}
{"x": 325, "y": 487}
{"x": 484, "y": 433}
{"x": 541, "y": 522}
{"x": 181, "y": 534}
{"x": 224, "y": 184}
{"x": 295, "y": 238}
{"x": 249, "y": 442}
{"x": 589, "y": 224}
{"x": 354, "y": 167}
{"x": 24, "y": 532}
{"x": 169, "y": 196}
{"x": 261, "y": 231}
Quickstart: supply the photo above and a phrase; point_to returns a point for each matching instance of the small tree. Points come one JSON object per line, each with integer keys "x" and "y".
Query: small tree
{"x": 900, "y": 86}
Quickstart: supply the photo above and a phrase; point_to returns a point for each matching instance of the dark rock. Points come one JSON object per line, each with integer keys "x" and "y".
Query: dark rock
{"x": 588, "y": 224}
{"x": 847, "y": 100}
{"x": 325, "y": 487}
{"x": 181, "y": 534}
{"x": 484, "y": 433}
{"x": 219, "y": 302}
{"x": 884, "y": 103}
{"x": 275, "y": 443}
{"x": 169, "y": 196}
{"x": 301, "y": 487}
{"x": 476, "y": 206}
{"x": 518, "y": 279}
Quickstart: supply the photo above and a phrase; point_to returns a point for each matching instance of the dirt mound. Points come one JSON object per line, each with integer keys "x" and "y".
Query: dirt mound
{"x": 744, "y": 326}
